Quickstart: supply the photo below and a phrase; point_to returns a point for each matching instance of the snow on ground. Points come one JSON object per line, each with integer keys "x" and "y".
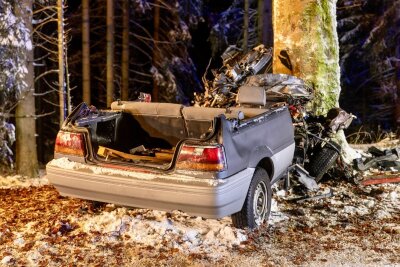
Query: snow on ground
{"x": 164, "y": 230}
{"x": 20, "y": 181}
{"x": 37, "y": 227}
{"x": 358, "y": 226}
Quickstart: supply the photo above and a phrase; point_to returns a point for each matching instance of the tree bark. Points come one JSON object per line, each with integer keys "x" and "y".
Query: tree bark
{"x": 86, "y": 51}
{"x": 307, "y": 31}
{"x": 246, "y": 25}
{"x": 125, "y": 51}
{"x": 110, "y": 52}
{"x": 155, "y": 46}
{"x": 397, "y": 77}
{"x": 61, "y": 62}
{"x": 26, "y": 155}
{"x": 260, "y": 22}
{"x": 264, "y": 24}
{"x": 268, "y": 31}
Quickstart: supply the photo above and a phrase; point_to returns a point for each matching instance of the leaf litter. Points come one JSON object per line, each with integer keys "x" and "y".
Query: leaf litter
{"x": 359, "y": 225}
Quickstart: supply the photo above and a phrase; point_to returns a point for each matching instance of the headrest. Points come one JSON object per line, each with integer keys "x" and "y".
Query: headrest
{"x": 251, "y": 95}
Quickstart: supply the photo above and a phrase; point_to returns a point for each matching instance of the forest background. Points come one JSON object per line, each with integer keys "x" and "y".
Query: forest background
{"x": 164, "y": 48}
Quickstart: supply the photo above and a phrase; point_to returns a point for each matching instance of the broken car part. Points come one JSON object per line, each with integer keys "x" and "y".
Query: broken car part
{"x": 371, "y": 180}
{"x": 303, "y": 199}
{"x": 387, "y": 155}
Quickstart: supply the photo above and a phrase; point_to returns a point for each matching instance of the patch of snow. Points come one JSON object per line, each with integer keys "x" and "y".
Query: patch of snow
{"x": 7, "y": 260}
{"x": 33, "y": 257}
{"x": 281, "y": 193}
{"x": 20, "y": 181}
{"x": 369, "y": 203}
{"x": 349, "y": 209}
{"x": 159, "y": 229}
{"x": 393, "y": 195}
{"x": 362, "y": 210}
{"x": 276, "y": 215}
{"x": 382, "y": 214}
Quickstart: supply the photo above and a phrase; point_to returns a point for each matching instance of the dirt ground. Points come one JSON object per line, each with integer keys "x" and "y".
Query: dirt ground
{"x": 358, "y": 226}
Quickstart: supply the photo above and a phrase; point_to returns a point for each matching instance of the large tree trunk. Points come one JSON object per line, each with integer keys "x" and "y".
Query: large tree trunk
{"x": 307, "y": 31}
{"x": 26, "y": 155}
{"x": 86, "y": 51}
{"x": 125, "y": 51}
{"x": 110, "y": 52}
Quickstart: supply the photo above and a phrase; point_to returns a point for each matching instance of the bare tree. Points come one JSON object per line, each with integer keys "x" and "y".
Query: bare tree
{"x": 369, "y": 37}
{"x": 125, "y": 50}
{"x": 246, "y": 25}
{"x": 86, "y": 51}
{"x": 110, "y": 52}
{"x": 156, "y": 39}
{"x": 61, "y": 63}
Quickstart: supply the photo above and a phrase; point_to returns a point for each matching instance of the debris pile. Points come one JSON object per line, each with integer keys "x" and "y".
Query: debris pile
{"x": 237, "y": 66}
{"x": 316, "y": 151}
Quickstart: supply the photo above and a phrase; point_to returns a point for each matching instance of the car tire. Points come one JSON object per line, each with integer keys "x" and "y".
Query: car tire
{"x": 257, "y": 206}
{"x": 323, "y": 160}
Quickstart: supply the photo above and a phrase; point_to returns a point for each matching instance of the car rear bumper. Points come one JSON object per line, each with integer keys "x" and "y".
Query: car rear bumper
{"x": 196, "y": 196}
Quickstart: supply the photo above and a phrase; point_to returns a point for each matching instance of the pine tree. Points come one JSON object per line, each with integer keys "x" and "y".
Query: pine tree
{"x": 16, "y": 84}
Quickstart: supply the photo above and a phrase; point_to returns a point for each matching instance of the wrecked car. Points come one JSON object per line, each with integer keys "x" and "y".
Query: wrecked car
{"x": 210, "y": 162}
{"x": 249, "y": 130}
{"x": 316, "y": 149}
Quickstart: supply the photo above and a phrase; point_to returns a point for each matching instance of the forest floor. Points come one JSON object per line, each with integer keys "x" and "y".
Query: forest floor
{"x": 357, "y": 226}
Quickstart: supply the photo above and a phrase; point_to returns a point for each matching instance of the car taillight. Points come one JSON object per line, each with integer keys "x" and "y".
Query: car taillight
{"x": 202, "y": 158}
{"x": 70, "y": 143}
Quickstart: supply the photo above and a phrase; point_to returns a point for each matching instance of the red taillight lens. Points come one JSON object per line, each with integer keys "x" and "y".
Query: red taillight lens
{"x": 202, "y": 158}
{"x": 70, "y": 143}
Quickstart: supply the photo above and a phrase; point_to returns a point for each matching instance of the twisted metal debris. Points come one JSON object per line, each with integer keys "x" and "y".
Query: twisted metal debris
{"x": 237, "y": 66}
{"x": 250, "y": 69}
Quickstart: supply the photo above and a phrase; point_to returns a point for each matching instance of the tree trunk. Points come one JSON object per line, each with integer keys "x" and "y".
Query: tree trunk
{"x": 110, "y": 52}
{"x": 26, "y": 155}
{"x": 260, "y": 22}
{"x": 155, "y": 46}
{"x": 61, "y": 62}
{"x": 268, "y": 31}
{"x": 264, "y": 23}
{"x": 125, "y": 50}
{"x": 307, "y": 31}
{"x": 246, "y": 25}
{"x": 86, "y": 51}
{"x": 397, "y": 77}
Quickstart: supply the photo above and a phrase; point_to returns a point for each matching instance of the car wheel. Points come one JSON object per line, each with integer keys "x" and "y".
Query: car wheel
{"x": 257, "y": 206}
{"x": 323, "y": 160}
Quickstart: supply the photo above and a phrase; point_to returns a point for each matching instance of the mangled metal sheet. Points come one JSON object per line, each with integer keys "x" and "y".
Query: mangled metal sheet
{"x": 237, "y": 66}
{"x": 281, "y": 87}
{"x": 250, "y": 69}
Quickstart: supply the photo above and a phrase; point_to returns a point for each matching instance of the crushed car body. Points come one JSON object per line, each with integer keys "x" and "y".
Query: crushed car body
{"x": 249, "y": 130}
{"x": 196, "y": 159}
